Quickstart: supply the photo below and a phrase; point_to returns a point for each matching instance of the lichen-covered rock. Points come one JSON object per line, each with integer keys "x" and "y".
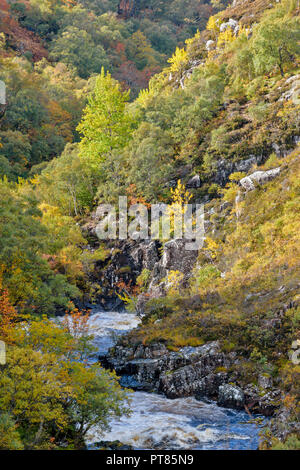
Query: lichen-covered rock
{"x": 263, "y": 401}
{"x": 231, "y": 396}
{"x": 265, "y": 381}
{"x": 203, "y": 371}
{"x": 250, "y": 182}
{"x": 177, "y": 258}
{"x": 225, "y": 168}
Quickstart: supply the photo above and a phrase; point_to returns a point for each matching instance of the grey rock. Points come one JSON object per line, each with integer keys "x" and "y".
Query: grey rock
{"x": 225, "y": 168}
{"x": 177, "y": 258}
{"x": 249, "y": 183}
{"x": 231, "y": 23}
{"x": 265, "y": 381}
{"x": 202, "y": 371}
{"x": 264, "y": 403}
{"x": 231, "y": 396}
{"x": 194, "y": 182}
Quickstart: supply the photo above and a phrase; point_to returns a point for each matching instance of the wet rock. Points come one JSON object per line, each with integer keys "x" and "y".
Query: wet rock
{"x": 128, "y": 381}
{"x": 107, "y": 445}
{"x": 209, "y": 385}
{"x": 202, "y": 371}
{"x": 190, "y": 371}
{"x": 231, "y": 396}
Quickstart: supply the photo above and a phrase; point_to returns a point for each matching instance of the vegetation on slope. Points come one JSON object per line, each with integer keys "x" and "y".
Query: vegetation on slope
{"x": 229, "y": 95}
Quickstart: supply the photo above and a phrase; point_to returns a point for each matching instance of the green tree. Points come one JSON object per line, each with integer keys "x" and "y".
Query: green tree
{"x": 106, "y": 125}
{"x": 9, "y": 436}
{"x": 139, "y": 50}
{"x": 32, "y": 390}
{"x": 97, "y": 399}
{"x": 33, "y": 286}
{"x": 47, "y": 394}
{"x": 275, "y": 40}
{"x": 76, "y": 47}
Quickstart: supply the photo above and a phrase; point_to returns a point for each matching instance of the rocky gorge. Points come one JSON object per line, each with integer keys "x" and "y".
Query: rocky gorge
{"x": 209, "y": 371}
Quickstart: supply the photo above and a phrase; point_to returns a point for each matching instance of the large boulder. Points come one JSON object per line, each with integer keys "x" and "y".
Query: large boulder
{"x": 226, "y": 167}
{"x": 177, "y": 258}
{"x": 249, "y": 183}
{"x": 231, "y": 396}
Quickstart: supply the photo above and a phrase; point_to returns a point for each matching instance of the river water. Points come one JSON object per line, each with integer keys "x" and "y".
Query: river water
{"x": 157, "y": 422}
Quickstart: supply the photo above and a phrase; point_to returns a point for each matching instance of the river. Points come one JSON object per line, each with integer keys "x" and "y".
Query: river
{"x": 157, "y": 422}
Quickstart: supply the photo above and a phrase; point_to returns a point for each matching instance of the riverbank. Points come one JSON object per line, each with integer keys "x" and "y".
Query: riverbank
{"x": 159, "y": 422}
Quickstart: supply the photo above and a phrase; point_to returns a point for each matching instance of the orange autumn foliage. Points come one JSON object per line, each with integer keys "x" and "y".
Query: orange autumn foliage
{"x": 76, "y": 323}
{"x": 8, "y": 314}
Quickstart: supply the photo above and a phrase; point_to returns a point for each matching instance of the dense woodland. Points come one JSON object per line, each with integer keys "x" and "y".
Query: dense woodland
{"x": 127, "y": 98}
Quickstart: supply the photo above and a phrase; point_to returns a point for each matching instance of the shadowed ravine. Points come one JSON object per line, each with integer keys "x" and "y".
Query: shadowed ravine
{"x": 160, "y": 423}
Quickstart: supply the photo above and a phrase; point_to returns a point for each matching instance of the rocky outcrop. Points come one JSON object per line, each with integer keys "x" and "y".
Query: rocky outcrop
{"x": 128, "y": 259}
{"x": 249, "y": 183}
{"x": 225, "y": 168}
{"x": 108, "y": 445}
{"x": 284, "y": 424}
{"x": 203, "y": 371}
{"x": 230, "y": 24}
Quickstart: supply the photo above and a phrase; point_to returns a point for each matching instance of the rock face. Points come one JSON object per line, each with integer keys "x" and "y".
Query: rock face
{"x": 225, "y": 168}
{"x": 249, "y": 183}
{"x": 203, "y": 371}
{"x": 129, "y": 258}
{"x": 210, "y": 45}
{"x": 284, "y": 424}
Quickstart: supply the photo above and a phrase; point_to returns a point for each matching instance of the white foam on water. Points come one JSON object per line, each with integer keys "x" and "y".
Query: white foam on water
{"x": 161, "y": 423}
{"x": 157, "y": 422}
{"x": 105, "y": 326}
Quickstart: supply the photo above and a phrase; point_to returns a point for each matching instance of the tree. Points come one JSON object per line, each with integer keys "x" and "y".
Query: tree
{"x": 9, "y": 437}
{"x": 47, "y": 394}
{"x": 76, "y": 47}
{"x": 17, "y": 149}
{"x": 106, "y": 124}
{"x": 68, "y": 182}
{"x": 8, "y": 314}
{"x": 97, "y": 398}
{"x": 139, "y": 50}
{"x": 32, "y": 390}
{"x": 31, "y": 283}
{"x": 275, "y": 40}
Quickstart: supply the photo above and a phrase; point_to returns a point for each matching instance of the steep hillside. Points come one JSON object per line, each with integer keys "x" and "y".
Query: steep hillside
{"x": 227, "y": 107}
{"x": 46, "y": 43}
{"x": 219, "y": 125}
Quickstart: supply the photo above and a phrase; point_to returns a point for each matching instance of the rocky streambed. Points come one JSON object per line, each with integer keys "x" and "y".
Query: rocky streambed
{"x": 172, "y": 406}
{"x": 203, "y": 372}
